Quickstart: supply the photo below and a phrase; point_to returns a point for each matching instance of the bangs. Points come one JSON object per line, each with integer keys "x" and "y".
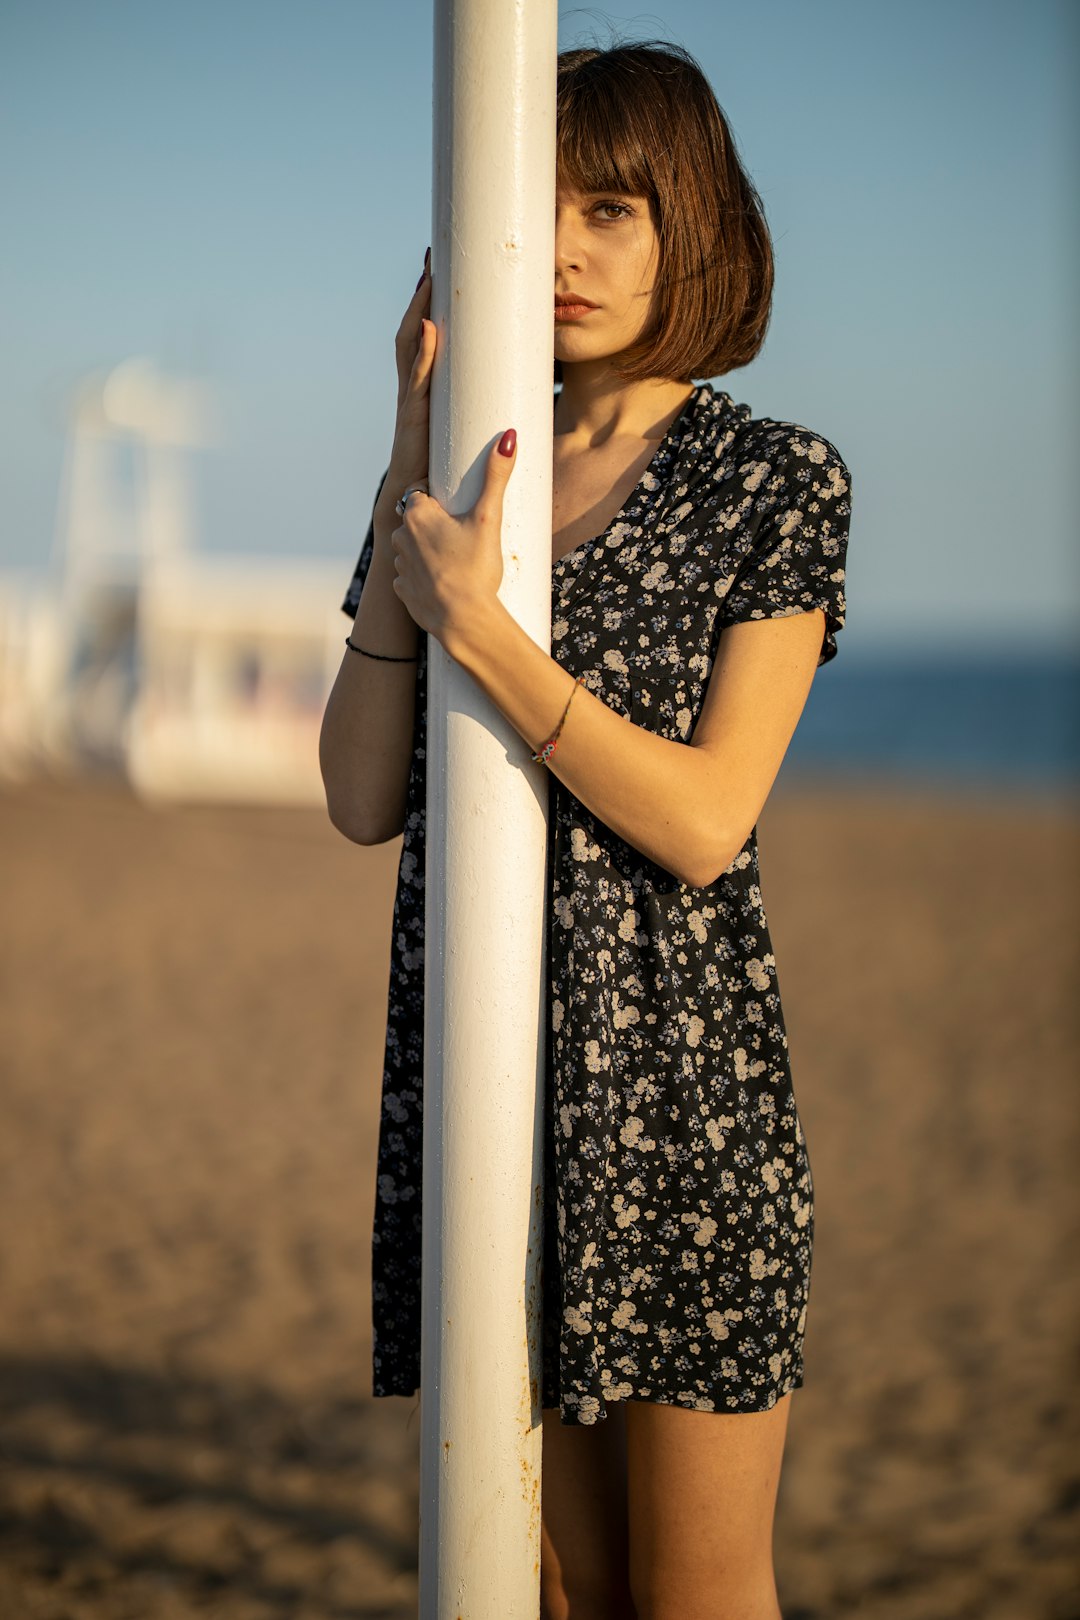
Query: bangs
{"x": 597, "y": 147}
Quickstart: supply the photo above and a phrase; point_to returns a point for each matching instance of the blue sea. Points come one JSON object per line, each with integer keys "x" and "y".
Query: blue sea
{"x": 990, "y": 720}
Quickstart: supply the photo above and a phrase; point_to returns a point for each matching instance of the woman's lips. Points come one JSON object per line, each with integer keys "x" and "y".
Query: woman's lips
{"x": 572, "y": 312}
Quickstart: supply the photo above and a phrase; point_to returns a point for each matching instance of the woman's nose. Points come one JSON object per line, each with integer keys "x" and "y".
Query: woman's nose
{"x": 568, "y": 249}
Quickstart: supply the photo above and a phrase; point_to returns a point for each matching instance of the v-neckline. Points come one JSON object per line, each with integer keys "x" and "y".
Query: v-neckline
{"x": 584, "y": 546}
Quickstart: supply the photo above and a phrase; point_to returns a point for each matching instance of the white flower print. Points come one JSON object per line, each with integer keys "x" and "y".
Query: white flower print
{"x": 757, "y": 973}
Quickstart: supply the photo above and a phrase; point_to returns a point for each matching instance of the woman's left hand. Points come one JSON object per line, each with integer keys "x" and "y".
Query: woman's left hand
{"x": 448, "y": 569}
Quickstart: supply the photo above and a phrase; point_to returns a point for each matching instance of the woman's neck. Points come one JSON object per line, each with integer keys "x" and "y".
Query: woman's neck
{"x": 596, "y": 406}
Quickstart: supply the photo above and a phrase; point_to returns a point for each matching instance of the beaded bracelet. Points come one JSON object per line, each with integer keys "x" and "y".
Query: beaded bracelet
{"x": 390, "y": 658}
{"x": 545, "y": 753}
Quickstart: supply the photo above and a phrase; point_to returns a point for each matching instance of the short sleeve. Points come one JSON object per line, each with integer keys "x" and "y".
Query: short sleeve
{"x": 367, "y": 550}
{"x": 798, "y": 558}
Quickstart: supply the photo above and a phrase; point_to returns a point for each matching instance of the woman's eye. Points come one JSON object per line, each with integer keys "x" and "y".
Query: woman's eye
{"x": 620, "y": 206}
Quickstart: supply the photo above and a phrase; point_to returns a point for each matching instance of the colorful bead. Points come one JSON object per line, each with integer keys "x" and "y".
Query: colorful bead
{"x": 544, "y": 754}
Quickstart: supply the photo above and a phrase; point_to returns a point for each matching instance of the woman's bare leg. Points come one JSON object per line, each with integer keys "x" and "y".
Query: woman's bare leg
{"x": 701, "y": 1494}
{"x": 584, "y": 1563}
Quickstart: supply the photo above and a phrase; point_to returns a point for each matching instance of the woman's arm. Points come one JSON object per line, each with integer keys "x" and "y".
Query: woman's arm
{"x": 691, "y": 806}
{"x": 365, "y": 745}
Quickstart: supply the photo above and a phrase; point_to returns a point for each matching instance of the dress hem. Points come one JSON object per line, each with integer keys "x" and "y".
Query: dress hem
{"x": 796, "y": 1381}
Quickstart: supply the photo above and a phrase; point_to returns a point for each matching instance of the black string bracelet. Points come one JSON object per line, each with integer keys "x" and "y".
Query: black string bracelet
{"x": 389, "y": 658}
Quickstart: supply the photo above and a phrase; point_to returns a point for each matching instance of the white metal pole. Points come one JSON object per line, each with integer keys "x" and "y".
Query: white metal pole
{"x": 493, "y": 254}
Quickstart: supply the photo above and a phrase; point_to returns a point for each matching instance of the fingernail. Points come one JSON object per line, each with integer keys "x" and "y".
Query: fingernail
{"x": 508, "y": 442}
{"x": 427, "y": 258}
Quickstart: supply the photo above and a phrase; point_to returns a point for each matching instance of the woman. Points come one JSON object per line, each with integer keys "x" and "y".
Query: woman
{"x": 697, "y": 582}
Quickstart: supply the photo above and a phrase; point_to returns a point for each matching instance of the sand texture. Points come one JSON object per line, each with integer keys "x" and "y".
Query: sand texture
{"x": 192, "y": 1007}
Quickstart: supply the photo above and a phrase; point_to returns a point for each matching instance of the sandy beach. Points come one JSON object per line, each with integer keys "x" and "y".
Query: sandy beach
{"x": 191, "y": 1020}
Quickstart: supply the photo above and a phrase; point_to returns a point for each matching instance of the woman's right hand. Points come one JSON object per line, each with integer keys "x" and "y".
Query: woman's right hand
{"x": 415, "y": 353}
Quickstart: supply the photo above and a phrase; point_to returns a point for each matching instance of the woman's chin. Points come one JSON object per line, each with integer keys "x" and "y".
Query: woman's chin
{"x": 572, "y": 353}
{"x": 568, "y": 344}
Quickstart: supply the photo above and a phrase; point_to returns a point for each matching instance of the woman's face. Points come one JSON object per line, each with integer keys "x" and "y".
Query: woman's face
{"x": 606, "y": 252}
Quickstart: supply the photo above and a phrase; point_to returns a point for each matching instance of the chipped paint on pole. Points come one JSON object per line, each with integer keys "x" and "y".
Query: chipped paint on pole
{"x": 493, "y": 253}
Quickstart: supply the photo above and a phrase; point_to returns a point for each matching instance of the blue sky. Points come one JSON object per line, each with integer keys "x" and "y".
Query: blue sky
{"x": 241, "y": 190}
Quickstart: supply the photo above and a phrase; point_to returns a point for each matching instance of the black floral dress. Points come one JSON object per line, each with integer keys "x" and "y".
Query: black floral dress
{"x": 679, "y": 1212}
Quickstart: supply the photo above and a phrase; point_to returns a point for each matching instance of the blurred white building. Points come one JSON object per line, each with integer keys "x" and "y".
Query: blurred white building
{"x": 199, "y": 676}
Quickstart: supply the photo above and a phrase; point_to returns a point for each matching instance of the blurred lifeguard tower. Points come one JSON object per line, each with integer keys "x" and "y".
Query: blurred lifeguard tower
{"x": 199, "y": 675}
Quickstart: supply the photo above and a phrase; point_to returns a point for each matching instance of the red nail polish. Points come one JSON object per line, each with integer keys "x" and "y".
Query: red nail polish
{"x": 508, "y": 442}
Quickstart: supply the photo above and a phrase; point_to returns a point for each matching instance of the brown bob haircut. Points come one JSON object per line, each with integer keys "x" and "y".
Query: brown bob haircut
{"x": 641, "y": 120}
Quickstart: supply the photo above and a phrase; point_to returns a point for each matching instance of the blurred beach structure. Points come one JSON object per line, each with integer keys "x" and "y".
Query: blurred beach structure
{"x": 196, "y": 676}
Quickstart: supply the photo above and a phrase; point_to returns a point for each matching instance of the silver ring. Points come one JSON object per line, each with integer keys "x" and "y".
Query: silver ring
{"x": 400, "y": 505}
